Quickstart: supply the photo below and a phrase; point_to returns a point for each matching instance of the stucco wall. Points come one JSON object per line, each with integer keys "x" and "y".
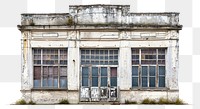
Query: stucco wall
{"x": 100, "y": 26}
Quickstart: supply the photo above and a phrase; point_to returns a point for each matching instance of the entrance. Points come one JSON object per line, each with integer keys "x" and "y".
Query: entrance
{"x": 98, "y": 75}
{"x": 99, "y": 83}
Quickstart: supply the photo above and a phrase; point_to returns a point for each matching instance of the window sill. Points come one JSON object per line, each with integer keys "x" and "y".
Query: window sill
{"x": 152, "y": 89}
{"x": 48, "y": 89}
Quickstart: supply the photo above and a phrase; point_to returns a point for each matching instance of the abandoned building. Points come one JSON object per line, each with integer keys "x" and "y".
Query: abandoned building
{"x": 99, "y": 53}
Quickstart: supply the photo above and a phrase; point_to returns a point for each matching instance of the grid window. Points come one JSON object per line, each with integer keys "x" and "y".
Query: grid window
{"x": 99, "y": 57}
{"x": 148, "y": 67}
{"x": 50, "y": 68}
{"x": 101, "y": 67}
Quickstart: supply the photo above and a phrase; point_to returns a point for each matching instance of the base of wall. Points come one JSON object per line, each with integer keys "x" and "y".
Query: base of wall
{"x": 50, "y": 97}
{"x": 141, "y": 95}
{"x": 53, "y": 97}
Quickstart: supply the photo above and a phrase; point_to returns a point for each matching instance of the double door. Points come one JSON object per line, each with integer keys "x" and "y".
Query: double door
{"x": 98, "y": 83}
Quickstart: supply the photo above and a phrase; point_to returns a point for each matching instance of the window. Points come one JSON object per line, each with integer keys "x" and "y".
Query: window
{"x": 99, "y": 57}
{"x": 148, "y": 67}
{"x": 50, "y": 68}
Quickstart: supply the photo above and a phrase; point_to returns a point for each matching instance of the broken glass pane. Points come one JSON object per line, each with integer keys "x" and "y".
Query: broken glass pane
{"x": 103, "y": 92}
{"x": 113, "y": 92}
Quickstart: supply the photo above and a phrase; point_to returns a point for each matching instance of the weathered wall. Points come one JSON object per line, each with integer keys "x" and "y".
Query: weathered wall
{"x": 75, "y": 40}
{"x": 109, "y": 15}
{"x": 99, "y": 26}
{"x": 140, "y": 95}
{"x": 51, "y": 97}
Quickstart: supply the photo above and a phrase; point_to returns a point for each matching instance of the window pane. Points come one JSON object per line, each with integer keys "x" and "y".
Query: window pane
{"x": 84, "y": 81}
{"x": 113, "y": 71}
{"x": 94, "y": 71}
{"x": 103, "y": 71}
{"x": 103, "y": 81}
{"x": 161, "y": 81}
{"x": 50, "y": 82}
{"x": 63, "y": 71}
{"x": 161, "y": 56}
{"x": 45, "y": 71}
{"x": 50, "y": 71}
{"x": 113, "y": 81}
{"x": 63, "y": 82}
{"x": 95, "y": 81}
{"x": 144, "y": 81}
{"x": 55, "y": 71}
{"x": 134, "y": 70}
{"x": 37, "y": 73}
{"x": 45, "y": 84}
{"x": 55, "y": 82}
{"x": 134, "y": 81}
{"x": 152, "y": 82}
{"x": 152, "y": 71}
{"x": 36, "y": 83}
{"x": 161, "y": 70}
{"x": 144, "y": 70}
{"x": 85, "y": 71}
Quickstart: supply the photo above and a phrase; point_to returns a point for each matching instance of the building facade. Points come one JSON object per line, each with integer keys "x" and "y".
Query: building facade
{"x": 99, "y": 53}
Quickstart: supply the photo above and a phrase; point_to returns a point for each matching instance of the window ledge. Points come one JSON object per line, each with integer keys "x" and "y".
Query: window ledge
{"x": 152, "y": 89}
{"x": 48, "y": 89}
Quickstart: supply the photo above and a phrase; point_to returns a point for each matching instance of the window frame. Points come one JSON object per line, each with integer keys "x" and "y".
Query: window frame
{"x": 133, "y": 63}
{"x": 58, "y": 65}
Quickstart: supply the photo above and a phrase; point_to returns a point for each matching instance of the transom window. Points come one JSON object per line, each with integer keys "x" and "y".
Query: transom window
{"x": 99, "y": 57}
{"x": 148, "y": 67}
{"x": 50, "y": 68}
